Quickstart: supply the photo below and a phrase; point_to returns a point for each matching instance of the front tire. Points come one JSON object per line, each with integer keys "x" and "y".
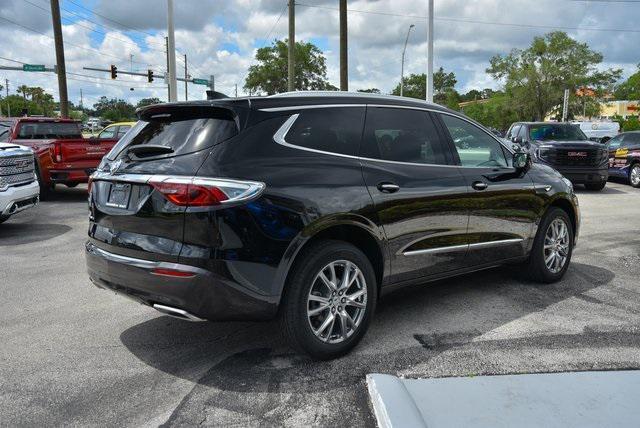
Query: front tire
{"x": 552, "y": 248}
{"x": 329, "y": 300}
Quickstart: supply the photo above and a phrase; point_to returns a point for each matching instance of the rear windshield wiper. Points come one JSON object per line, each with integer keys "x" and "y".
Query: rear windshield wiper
{"x": 148, "y": 150}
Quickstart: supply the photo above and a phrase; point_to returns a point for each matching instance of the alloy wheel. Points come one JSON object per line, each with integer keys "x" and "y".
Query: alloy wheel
{"x": 556, "y": 245}
{"x": 634, "y": 177}
{"x": 337, "y": 301}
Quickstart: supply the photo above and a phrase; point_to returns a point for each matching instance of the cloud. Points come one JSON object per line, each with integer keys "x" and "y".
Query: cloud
{"x": 221, "y": 37}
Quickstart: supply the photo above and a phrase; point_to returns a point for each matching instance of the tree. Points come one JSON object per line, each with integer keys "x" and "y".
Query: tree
{"x": 270, "y": 74}
{"x": 630, "y": 88}
{"x": 24, "y": 90}
{"x": 147, "y": 102}
{"x": 370, "y": 90}
{"x": 415, "y": 86}
{"x": 114, "y": 109}
{"x": 495, "y": 112}
{"x": 535, "y": 78}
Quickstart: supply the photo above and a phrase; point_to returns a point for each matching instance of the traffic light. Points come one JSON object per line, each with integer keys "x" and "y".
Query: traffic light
{"x": 114, "y": 71}
{"x": 150, "y": 76}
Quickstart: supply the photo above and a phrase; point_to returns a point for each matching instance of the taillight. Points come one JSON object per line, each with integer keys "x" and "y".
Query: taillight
{"x": 172, "y": 272}
{"x": 205, "y": 192}
{"x": 56, "y": 152}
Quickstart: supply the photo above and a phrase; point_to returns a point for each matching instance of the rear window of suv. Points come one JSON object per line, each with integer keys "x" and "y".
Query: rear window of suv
{"x": 46, "y": 130}
{"x": 184, "y": 130}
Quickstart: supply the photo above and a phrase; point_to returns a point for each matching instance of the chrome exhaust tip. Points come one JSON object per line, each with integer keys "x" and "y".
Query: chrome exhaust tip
{"x": 177, "y": 313}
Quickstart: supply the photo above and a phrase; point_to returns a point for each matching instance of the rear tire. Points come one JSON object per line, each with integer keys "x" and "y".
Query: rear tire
{"x": 326, "y": 318}
{"x": 595, "y": 186}
{"x": 552, "y": 248}
{"x": 45, "y": 190}
{"x": 634, "y": 175}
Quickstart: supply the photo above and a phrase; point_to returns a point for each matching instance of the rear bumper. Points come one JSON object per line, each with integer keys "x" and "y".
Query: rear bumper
{"x": 584, "y": 175}
{"x": 80, "y": 175}
{"x": 19, "y": 198}
{"x": 201, "y": 294}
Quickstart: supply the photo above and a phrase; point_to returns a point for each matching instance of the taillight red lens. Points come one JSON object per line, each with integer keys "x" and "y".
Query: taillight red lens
{"x": 172, "y": 272}
{"x": 188, "y": 194}
{"x": 56, "y": 152}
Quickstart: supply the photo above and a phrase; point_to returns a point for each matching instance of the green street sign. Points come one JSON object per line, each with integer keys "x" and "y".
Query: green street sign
{"x": 201, "y": 81}
{"x": 32, "y": 67}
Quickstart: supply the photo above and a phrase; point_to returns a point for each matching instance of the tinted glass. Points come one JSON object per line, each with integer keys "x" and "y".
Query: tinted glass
{"x": 53, "y": 130}
{"x": 335, "y": 130}
{"x": 183, "y": 131}
{"x": 123, "y": 130}
{"x": 5, "y": 127}
{"x": 615, "y": 141}
{"x": 631, "y": 139}
{"x": 522, "y": 133}
{"x": 108, "y": 132}
{"x": 401, "y": 135}
{"x": 475, "y": 147}
{"x": 556, "y": 132}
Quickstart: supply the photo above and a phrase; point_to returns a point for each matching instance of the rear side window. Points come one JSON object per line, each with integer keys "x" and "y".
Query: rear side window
{"x": 53, "y": 130}
{"x": 185, "y": 131}
{"x": 334, "y": 130}
{"x": 401, "y": 135}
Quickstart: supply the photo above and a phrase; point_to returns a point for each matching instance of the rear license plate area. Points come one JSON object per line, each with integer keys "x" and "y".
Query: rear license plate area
{"x": 119, "y": 195}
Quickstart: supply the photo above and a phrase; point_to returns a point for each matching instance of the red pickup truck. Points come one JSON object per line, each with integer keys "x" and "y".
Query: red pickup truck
{"x": 63, "y": 156}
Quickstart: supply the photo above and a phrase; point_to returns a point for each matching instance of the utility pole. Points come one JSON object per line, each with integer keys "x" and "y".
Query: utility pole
{"x": 186, "y": 77}
{"x": 344, "y": 62}
{"x": 62, "y": 73}
{"x": 404, "y": 50}
{"x": 171, "y": 51}
{"x": 236, "y": 90}
{"x": 81, "y": 103}
{"x": 130, "y": 62}
{"x": 430, "y": 53}
{"x": 166, "y": 46}
{"x": 212, "y": 82}
{"x": 6, "y": 87}
{"x": 291, "y": 75}
{"x": 565, "y": 105}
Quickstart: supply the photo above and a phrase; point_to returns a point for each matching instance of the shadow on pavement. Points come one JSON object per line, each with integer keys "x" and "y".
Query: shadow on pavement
{"x": 26, "y": 233}
{"x": 250, "y": 376}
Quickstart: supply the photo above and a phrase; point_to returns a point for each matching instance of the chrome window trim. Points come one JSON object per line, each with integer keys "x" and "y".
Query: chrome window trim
{"x": 460, "y": 247}
{"x": 281, "y": 133}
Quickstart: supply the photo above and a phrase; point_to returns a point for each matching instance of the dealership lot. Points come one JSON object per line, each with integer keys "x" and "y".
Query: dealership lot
{"x": 73, "y": 354}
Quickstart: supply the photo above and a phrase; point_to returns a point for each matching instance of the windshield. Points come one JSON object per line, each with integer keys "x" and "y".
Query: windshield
{"x": 45, "y": 130}
{"x": 556, "y": 132}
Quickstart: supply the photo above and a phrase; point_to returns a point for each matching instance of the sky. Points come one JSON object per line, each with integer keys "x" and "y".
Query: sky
{"x": 220, "y": 38}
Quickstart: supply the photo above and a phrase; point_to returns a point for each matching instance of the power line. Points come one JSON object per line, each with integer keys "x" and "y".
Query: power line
{"x": 109, "y": 19}
{"x": 67, "y": 43}
{"x": 267, "y": 36}
{"x": 48, "y": 12}
{"x": 470, "y": 21}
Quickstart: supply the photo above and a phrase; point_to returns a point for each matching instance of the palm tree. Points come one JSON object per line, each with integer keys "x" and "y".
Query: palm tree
{"x": 24, "y": 90}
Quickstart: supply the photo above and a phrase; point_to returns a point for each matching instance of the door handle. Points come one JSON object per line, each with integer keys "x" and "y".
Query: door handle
{"x": 479, "y": 185}
{"x": 388, "y": 187}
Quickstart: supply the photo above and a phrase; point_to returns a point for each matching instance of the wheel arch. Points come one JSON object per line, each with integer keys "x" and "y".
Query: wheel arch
{"x": 356, "y": 231}
{"x": 565, "y": 205}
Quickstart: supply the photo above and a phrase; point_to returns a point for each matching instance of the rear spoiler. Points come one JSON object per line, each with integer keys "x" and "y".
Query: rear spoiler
{"x": 213, "y": 95}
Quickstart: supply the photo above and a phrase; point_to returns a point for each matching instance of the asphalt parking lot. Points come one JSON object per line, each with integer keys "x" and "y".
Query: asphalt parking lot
{"x": 72, "y": 354}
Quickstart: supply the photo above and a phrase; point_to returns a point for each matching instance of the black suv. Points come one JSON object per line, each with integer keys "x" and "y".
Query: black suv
{"x": 309, "y": 206}
{"x": 564, "y": 147}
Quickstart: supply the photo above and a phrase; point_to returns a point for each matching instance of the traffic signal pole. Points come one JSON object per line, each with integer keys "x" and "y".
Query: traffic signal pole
{"x": 62, "y": 74}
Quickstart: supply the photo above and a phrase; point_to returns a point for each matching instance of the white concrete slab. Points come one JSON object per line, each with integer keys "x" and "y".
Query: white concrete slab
{"x": 577, "y": 399}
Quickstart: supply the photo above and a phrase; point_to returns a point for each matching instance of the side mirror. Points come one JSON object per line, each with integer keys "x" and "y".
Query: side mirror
{"x": 521, "y": 160}
{"x": 517, "y": 140}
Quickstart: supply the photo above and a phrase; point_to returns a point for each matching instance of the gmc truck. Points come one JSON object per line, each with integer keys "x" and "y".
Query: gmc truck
{"x": 18, "y": 184}
{"x": 62, "y": 155}
{"x": 564, "y": 147}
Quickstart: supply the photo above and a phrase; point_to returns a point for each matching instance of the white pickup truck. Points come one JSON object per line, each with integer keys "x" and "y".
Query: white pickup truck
{"x": 601, "y": 130}
{"x": 19, "y": 187}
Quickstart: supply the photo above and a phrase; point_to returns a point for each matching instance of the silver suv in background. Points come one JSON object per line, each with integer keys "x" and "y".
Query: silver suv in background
{"x": 19, "y": 187}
